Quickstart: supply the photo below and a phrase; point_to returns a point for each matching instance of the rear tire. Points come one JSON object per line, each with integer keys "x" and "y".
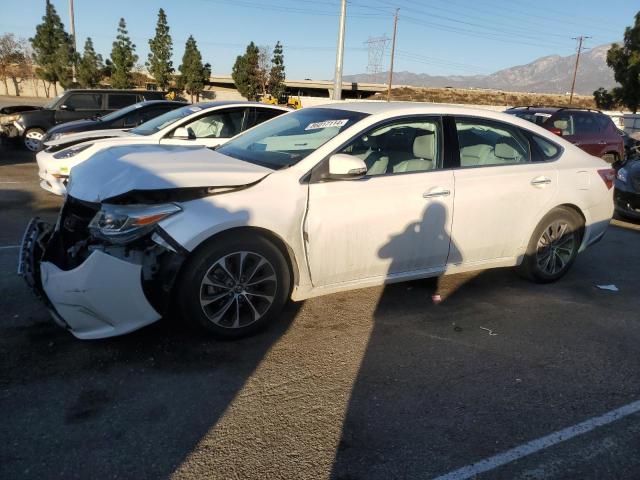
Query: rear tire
{"x": 234, "y": 286}
{"x": 553, "y": 247}
{"x": 32, "y": 139}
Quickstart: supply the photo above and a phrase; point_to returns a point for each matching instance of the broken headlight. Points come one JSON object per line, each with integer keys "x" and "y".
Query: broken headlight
{"x": 122, "y": 224}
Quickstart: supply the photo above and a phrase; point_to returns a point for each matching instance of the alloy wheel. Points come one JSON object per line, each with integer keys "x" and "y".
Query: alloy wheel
{"x": 32, "y": 139}
{"x": 238, "y": 289}
{"x": 556, "y": 247}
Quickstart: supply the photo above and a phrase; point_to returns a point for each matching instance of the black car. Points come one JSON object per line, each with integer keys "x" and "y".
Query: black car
{"x": 627, "y": 189}
{"x": 127, "y": 117}
{"x": 31, "y": 125}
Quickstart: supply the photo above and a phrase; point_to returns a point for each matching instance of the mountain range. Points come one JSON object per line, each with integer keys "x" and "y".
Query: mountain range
{"x": 551, "y": 74}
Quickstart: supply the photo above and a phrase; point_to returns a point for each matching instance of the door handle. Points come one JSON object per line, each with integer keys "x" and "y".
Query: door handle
{"x": 436, "y": 193}
{"x": 540, "y": 181}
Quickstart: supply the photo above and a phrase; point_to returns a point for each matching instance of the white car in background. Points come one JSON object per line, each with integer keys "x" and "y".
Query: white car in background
{"x": 321, "y": 200}
{"x": 208, "y": 123}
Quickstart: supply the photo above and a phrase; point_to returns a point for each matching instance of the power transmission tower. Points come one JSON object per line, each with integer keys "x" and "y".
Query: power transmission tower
{"x": 337, "y": 80}
{"x": 377, "y": 47}
{"x": 580, "y": 39}
{"x": 393, "y": 51}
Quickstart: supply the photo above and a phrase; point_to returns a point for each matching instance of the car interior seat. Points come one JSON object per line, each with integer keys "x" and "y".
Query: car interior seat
{"x": 424, "y": 154}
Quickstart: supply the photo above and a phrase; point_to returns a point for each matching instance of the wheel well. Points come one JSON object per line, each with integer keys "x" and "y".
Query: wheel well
{"x": 285, "y": 249}
{"x": 576, "y": 209}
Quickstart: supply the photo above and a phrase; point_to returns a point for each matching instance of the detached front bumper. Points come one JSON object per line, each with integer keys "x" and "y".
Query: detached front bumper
{"x": 101, "y": 298}
{"x": 102, "y": 295}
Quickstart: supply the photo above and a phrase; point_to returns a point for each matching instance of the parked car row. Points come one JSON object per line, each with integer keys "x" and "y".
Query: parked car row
{"x": 206, "y": 124}
{"x": 300, "y": 204}
{"x": 29, "y": 124}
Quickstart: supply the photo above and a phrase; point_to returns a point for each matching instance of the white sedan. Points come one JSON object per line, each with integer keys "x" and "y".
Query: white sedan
{"x": 320, "y": 200}
{"x": 206, "y": 123}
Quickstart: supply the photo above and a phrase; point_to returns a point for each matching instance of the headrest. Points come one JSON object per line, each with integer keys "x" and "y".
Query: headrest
{"x": 506, "y": 148}
{"x": 371, "y": 141}
{"x": 561, "y": 124}
{"x": 424, "y": 146}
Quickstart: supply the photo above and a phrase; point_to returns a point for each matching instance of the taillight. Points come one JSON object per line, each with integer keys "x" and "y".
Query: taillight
{"x": 608, "y": 176}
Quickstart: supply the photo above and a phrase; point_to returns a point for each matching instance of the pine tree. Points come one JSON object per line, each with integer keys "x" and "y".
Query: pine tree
{"x": 159, "y": 60}
{"x": 53, "y": 49}
{"x": 193, "y": 74}
{"x": 625, "y": 62}
{"x": 245, "y": 73}
{"x": 90, "y": 66}
{"x": 123, "y": 58}
{"x": 277, "y": 87}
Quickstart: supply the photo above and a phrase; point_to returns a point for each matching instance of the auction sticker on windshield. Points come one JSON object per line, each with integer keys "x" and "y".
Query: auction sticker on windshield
{"x": 327, "y": 124}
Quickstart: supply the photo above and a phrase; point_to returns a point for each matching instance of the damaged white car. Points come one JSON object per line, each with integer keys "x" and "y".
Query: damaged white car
{"x": 320, "y": 200}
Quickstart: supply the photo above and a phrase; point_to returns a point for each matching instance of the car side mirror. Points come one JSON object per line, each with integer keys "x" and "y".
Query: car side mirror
{"x": 183, "y": 133}
{"x": 346, "y": 167}
{"x": 66, "y": 107}
{"x": 556, "y": 131}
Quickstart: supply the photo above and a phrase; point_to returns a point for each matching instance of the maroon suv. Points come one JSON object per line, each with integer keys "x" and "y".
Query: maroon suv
{"x": 591, "y": 130}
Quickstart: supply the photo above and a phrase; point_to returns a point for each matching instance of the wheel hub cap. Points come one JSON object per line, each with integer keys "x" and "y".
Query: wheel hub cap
{"x": 238, "y": 289}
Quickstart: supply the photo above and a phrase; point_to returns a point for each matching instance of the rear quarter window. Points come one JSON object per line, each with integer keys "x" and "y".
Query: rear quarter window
{"x": 547, "y": 149}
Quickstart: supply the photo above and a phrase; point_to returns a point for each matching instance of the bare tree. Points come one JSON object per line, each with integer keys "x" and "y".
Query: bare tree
{"x": 264, "y": 67}
{"x": 15, "y": 62}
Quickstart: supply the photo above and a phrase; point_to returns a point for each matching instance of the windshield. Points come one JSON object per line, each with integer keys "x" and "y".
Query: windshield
{"x": 121, "y": 113}
{"x": 156, "y": 124}
{"x": 52, "y": 103}
{"x": 287, "y": 139}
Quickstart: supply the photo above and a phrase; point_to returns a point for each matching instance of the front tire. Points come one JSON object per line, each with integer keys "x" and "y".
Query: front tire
{"x": 234, "y": 287}
{"x": 33, "y": 138}
{"x": 553, "y": 247}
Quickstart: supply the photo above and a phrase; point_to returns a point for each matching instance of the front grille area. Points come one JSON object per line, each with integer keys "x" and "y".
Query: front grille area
{"x": 65, "y": 248}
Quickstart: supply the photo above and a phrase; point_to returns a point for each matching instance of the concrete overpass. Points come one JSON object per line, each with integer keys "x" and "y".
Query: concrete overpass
{"x": 224, "y": 87}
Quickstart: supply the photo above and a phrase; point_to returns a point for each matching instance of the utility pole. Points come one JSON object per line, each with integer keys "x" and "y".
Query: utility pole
{"x": 393, "y": 51}
{"x": 337, "y": 81}
{"x": 72, "y": 25}
{"x": 575, "y": 70}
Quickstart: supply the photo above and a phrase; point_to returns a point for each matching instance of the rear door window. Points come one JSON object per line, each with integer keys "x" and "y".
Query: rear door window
{"x": 218, "y": 124}
{"x": 84, "y": 101}
{"x": 488, "y": 143}
{"x": 259, "y": 115}
{"x": 586, "y": 123}
{"x": 117, "y": 101}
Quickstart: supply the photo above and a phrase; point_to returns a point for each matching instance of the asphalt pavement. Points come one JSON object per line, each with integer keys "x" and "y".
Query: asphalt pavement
{"x": 377, "y": 383}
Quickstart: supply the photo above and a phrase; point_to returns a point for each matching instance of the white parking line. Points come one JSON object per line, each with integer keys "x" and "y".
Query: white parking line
{"x": 541, "y": 443}
{"x": 7, "y": 247}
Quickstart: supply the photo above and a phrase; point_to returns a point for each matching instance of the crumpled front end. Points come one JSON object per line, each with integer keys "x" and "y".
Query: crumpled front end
{"x": 94, "y": 288}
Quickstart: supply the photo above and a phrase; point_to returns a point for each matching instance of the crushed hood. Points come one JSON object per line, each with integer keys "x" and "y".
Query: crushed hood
{"x": 118, "y": 170}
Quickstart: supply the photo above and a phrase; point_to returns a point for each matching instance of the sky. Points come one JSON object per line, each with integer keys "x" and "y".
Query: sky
{"x": 438, "y": 37}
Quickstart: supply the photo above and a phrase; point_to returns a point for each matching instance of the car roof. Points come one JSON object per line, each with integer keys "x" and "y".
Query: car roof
{"x": 414, "y": 108}
{"x": 550, "y": 110}
{"x": 224, "y": 103}
{"x": 145, "y": 103}
{"x": 111, "y": 90}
